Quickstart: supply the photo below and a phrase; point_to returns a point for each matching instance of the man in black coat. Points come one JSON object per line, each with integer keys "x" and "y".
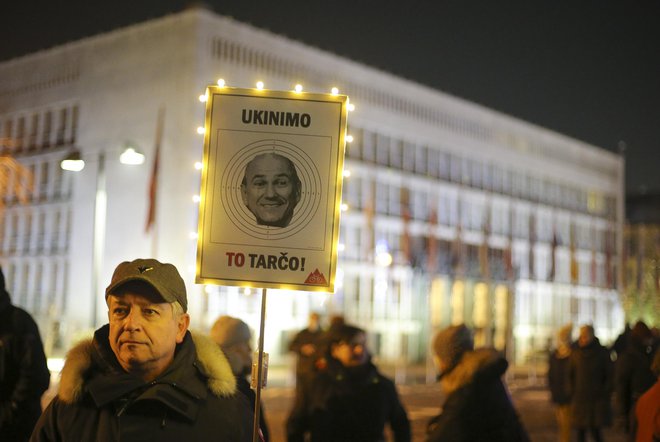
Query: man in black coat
{"x": 24, "y": 374}
{"x": 633, "y": 375}
{"x": 349, "y": 401}
{"x": 591, "y": 384}
{"x": 144, "y": 376}
{"x": 477, "y": 407}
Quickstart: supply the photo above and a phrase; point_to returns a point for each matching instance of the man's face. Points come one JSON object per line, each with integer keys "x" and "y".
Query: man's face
{"x": 144, "y": 332}
{"x": 241, "y": 357}
{"x": 353, "y": 353}
{"x": 270, "y": 192}
{"x": 586, "y": 337}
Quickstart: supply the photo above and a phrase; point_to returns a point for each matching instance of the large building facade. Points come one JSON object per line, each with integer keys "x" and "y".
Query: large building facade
{"x": 455, "y": 213}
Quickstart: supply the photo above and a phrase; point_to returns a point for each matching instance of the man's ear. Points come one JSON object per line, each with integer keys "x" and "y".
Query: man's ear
{"x": 182, "y": 327}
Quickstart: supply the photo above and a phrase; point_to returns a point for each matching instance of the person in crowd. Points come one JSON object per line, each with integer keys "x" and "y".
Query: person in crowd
{"x": 24, "y": 375}
{"x": 350, "y": 400}
{"x": 306, "y": 344}
{"x": 477, "y": 405}
{"x": 234, "y": 338}
{"x": 271, "y": 189}
{"x": 558, "y": 374}
{"x": 647, "y": 410}
{"x": 621, "y": 341}
{"x": 633, "y": 375}
{"x": 590, "y": 380}
{"x": 143, "y": 376}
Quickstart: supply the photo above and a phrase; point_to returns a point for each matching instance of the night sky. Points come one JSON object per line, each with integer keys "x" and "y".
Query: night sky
{"x": 587, "y": 69}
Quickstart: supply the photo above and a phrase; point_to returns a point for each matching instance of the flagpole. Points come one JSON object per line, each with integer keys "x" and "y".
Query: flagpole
{"x": 152, "y": 219}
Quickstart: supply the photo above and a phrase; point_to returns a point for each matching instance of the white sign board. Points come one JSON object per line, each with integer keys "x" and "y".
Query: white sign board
{"x": 271, "y": 189}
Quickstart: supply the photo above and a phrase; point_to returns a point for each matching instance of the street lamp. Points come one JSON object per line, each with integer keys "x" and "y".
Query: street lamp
{"x": 130, "y": 155}
{"x": 73, "y": 162}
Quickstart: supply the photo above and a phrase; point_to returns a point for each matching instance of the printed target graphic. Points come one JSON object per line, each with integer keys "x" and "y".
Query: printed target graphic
{"x": 311, "y": 192}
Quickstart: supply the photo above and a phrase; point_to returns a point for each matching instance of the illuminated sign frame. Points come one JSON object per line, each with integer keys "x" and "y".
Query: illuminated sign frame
{"x": 271, "y": 189}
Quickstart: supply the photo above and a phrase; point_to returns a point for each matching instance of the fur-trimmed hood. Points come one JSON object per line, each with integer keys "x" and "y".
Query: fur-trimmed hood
{"x": 483, "y": 363}
{"x": 83, "y": 360}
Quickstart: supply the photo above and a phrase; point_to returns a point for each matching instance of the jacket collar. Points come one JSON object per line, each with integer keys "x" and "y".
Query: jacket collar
{"x": 483, "y": 363}
{"x": 92, "y": 367}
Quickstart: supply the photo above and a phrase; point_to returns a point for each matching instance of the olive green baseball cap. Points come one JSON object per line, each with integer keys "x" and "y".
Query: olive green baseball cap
{"x": 163, "y": 277}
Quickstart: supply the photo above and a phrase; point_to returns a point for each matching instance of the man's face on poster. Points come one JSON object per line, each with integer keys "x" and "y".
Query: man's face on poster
{"x": 271, "y": 189}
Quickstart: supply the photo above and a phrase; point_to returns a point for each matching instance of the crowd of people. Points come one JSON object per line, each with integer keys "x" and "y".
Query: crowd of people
{"x": 594, "y": 387}
{"x": 145, "y": 376}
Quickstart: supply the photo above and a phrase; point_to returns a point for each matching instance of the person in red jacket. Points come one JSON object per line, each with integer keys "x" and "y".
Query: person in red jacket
{"x": 647, "y": 410}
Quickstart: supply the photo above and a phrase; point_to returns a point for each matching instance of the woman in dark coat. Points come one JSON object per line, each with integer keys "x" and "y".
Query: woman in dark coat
{"x": 477, "y": 406}
{"x": 559, "y": 364}
{"x": 591, "y": 385}
{"x": 349, "y": 401}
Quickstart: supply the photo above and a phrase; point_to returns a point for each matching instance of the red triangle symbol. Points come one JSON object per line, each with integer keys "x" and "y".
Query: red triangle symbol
{"x": 316, "y": 278}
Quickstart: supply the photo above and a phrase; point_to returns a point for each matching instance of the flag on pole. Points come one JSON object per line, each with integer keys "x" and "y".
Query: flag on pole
{"x": 484, "y": 264}
{"x": 507, "y": 253}
{"x": 405, "y": 216}
{"x": 532, "y": 244}
{"x": 153, "y": 180}
{"x": 553, "y": 259}
{"x": 574, "y": 269}
{"x": 432, "y": 252}
{"x": 369, "y": 213}
{"x": 609, "y": 274}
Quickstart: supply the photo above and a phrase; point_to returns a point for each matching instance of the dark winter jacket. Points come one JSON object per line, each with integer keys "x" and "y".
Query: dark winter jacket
{"x": 558, "y": 378}
{"x": 244, "y": 387}
{"x": 195, "y": 399}
{"x": 349, "y": 405}
{"x": 477, "y": 406}
{"x": 24, "y": 374}
{"x": 633, "y": 376}
{"x": 591, "y": 383}
{"x": 305, "y": 363}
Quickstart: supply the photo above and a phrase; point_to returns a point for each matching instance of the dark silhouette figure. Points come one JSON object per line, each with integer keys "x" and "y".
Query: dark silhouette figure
{"x": 349, "y": 401}
{"x": 477, "y": 407}
{"x": 24, "y": 374}
{"x": 591, "y": 386}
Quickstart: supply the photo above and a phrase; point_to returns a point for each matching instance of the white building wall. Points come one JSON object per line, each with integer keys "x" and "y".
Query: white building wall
{"x": 118, "y": 81}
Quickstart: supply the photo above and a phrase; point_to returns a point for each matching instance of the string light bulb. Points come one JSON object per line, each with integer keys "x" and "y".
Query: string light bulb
{"x": 347, "y": 173}
{"x": 334, "y": 91}
{"x": 349, "y": 138}
{"x": 203, "y": 98}
{"x": 198, "y": 165}
{"x": 260, "y": 85}
{"x": 196, "y": 198}
{"x": 201, "y": 130}
{"x": 351, "y": 107}
{"x": 221, "y": 82}
{"x": 298, "y": 88}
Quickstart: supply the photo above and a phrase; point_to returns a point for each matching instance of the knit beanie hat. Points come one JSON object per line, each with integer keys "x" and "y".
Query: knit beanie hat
{"x": 450, "y": 343}
{"x": 228, "y": 331}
